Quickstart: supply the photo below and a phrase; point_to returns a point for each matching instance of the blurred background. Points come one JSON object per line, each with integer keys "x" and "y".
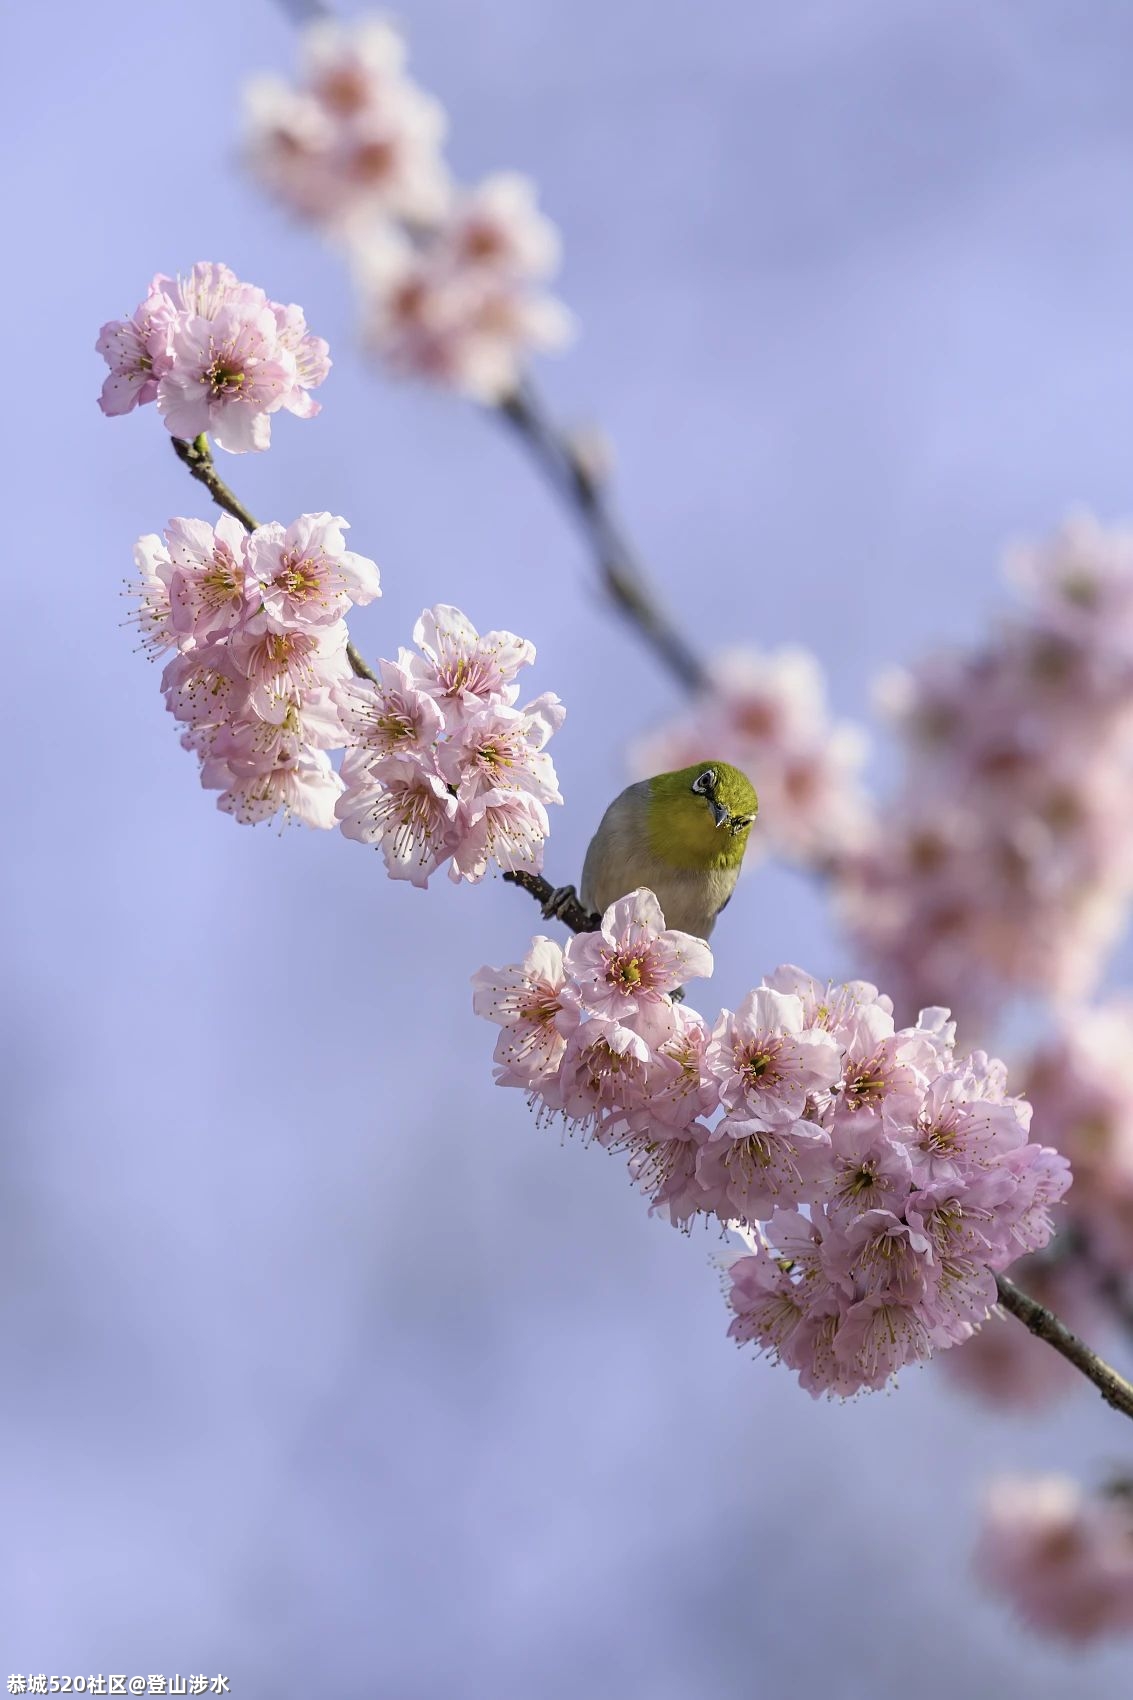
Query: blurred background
{"x": 323, "y": 1366}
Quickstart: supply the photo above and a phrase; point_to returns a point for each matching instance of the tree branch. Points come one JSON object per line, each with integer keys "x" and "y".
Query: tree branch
{"x": 1043, "y": 1323}
{"x": 623, "y": 576}
{"x": 568, "y": 909}
{"x": 197, "y": 456}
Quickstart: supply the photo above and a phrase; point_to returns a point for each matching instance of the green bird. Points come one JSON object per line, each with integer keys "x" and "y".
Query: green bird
{"x": 681, "y": 834}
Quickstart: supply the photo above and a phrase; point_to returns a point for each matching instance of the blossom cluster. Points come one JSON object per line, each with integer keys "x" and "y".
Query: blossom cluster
{"x": 1006, "y": 861}
{"x": 1080, "y": 1080}
{"x": 216, "y": 355}
{"x": 256, "y": 620}
{"x": 450, "y": 280}
{"x": 878, "y": 1179}
{"x": 355, "y": 137}
{"x": 767, "y": 714}
{"x": 442, "y": 766}
{"x": 1063, "y": 1558}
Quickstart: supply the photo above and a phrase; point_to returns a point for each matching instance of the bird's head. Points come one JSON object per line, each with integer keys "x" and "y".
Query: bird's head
{"x": 700, "y": 816}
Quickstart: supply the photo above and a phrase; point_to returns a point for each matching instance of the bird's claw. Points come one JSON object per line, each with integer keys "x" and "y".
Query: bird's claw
{"x": 558, "y": 901}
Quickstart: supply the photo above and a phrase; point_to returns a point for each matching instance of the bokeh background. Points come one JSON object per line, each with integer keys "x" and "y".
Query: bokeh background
{"x": 322, "y": 1366}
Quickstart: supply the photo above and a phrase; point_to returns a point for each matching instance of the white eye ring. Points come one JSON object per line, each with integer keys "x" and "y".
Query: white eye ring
{"x": 705, "y": 782}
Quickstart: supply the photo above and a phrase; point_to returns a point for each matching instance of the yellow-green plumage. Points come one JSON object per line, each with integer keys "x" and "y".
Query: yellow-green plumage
{"x": 679, "y": 835}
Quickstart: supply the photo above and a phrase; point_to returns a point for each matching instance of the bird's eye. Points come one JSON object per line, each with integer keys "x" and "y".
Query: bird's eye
{"x": 705, "y": 782}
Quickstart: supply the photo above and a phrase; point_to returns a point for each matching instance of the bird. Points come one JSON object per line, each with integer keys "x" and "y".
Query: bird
{"x": 682, "y": 834}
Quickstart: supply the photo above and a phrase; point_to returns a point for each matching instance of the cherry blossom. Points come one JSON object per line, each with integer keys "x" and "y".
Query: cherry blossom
{"x": 1063, "y": 1558}
{"x": 216, "y": 355}
{"x": 878, "y": 1180}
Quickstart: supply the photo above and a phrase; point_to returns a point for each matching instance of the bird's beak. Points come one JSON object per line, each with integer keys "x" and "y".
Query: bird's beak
{"x": 719, "y": 813}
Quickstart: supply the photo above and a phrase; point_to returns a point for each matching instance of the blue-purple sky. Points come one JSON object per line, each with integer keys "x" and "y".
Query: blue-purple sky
{"x": 323, "y": 1367}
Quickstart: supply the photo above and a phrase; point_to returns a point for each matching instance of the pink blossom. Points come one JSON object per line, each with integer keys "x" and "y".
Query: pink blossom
{"x": 765, "y": 1061}
{"x": 304, "y": 786}
{"x": 632, "y": 965}
{"x": 879, "y": 1334}
{"x": 683, "y": 1090}
{"x": 202, "y": 688}
{"x": 137, "y": 350}
{"x": 216, "y": 355}
{"x": 749, "y": 1169}
{"x": 885, "y": 1072}
{"x": 356, "y": 138}
{"x": 290, "y": 662}
{"x": 913, "y": 1165}
{"x": 306, "y": 576}
{"x": 153, "y": 616}
{"x": 1062, "y": 1558}
{"x": 229, "y": 374}
{"x": 878, "y": 1252}
{"x": 1004, "y": 864}
{"x": 834, "y": 1008}
{"x": 768, "y": 1303}
{"x": 603, "y": 1080}
{"x": 207, "y": 590}
{"x": 501, "y": 748}
{"x": 391, "y": 717}
{"x": 463, "y": 671}
{"x": 958, "y": 1130}
{"x": 1080, "y": 1080}
{"x": 505, "y": 827}
{"x": 869, "y": 1169}
{"x": 433, "y": 314}
{"x": 525, "y": 1001}
{"x": 662, "y": 1165}
{"x": 401, "y": 806}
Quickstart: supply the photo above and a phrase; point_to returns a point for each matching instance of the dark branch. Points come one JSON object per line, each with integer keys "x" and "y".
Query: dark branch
{"x": 623, "y": 577}
{"x": 1043, "y": 1323}
{"x": 567, "y": 909}
{"x": 197, "y": 456}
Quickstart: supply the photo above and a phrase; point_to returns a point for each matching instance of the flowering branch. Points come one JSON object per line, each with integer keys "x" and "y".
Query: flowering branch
{"x": 1043, "y": 1323}
{"x": 623, "y": 577}
{"x": 197, "y": 456}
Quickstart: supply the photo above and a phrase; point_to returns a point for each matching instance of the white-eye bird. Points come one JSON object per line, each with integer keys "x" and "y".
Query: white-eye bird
{"x": 681, "y": 834}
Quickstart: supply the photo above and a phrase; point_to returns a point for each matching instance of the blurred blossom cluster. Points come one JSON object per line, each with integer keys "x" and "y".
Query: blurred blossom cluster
{"x": 1080, "y": 1080}
{"x": 257, "y": 622}
{"x": 1061, "y": 1557}
{"x": 216, "y": 355}
{"x": 442, "y": 766}
{"x": 449, "y": 280}
{"x": 1007, "y": 862}
{"x": 893, "y": 1177}
{"x": 767, "y": 714}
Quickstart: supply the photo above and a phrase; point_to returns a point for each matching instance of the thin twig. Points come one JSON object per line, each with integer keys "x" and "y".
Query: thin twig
{"x": 623, "y": 577}
{"x": 1043, "y": 1323}
{"x": 197, "y": 456}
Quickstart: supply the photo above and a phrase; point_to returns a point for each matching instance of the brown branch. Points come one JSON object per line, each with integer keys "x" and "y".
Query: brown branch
{"x": 566, "y": 906}
{"x": 197, "y": 456}
{"x": 623, "y": 577}
{"x": 1043, "y": 1323}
